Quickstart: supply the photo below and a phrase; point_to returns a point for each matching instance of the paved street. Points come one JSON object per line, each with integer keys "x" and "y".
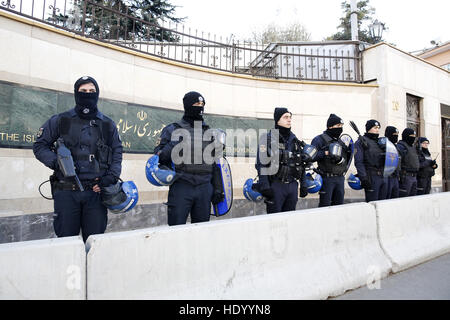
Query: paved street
{"x": 428, "y": 281}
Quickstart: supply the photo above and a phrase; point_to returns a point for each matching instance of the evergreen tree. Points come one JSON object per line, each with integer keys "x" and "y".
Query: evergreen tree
{"x": 135, "y": 20}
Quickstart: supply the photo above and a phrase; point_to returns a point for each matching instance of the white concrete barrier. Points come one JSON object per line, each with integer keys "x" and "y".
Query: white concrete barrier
{"x": 308, "y": 254}
{"x": 43, "y": 269}
{"x": 413, "y": 230}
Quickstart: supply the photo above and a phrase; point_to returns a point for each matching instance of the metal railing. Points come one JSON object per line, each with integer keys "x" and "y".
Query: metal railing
{"x": 318, "y": 61}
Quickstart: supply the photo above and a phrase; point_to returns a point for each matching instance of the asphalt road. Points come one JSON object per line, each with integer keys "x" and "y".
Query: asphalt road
{"x": 427, "y": 281}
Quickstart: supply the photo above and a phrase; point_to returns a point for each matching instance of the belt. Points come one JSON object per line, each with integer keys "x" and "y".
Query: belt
{"x": 331, "y": 175}
{"x": 285, "y": 182}
{"x": 72, "y": 186}
{"x": 409, "y": 174}
{"x": 377, "y": 172}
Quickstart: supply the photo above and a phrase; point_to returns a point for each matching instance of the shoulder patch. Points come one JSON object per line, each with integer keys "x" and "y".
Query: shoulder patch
{"x": 39, "y": 133}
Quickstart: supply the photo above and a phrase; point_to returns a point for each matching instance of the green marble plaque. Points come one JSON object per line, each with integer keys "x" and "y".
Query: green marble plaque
{"x": 24, "y": 109}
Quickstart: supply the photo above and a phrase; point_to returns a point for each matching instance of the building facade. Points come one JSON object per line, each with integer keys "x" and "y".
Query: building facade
{"x": 142, "y": 93}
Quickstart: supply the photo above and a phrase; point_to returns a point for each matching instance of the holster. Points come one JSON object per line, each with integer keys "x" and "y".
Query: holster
{"x": 53, "y": 181}
{"x": 104, "y": 154}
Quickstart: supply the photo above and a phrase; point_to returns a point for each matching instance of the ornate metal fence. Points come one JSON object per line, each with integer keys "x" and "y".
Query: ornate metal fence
{"x": 111, "y": 22}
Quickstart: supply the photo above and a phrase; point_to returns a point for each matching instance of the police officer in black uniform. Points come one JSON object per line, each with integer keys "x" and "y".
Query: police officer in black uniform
{"x": 410, "y": 164}
{"x": 280, "y": 188}
{"x": 426, "y": 167}
{"x": 369, "y": 162}
{"x": 96, "y": 149}
{"x": 195, "y": 186}
{"x": 331, "y": 165}
{"x": 393, "y": 180}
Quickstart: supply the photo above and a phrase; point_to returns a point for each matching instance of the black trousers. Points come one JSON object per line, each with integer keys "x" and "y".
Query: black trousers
{"x": 408, "y": 186}
{"x": 285, "y": 197}
{"x": 75, "y": 210}
{"x": 393, "y": 184}
{"x": 185, "y": 198}
{"x": 332, "y": 191}
{"x": 379, "y": 188}
{"x": 423, "y": 185}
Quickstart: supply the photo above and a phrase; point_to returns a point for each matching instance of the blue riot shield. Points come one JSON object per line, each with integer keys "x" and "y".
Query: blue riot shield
{"x": 391, "y": 159}
{"x": 223, "y": 207}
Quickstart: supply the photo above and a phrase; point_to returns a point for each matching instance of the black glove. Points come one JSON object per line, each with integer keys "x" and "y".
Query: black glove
{"x": 267, "y": 193}
{"x": 303, "y": 191}
{"x": 217, "y": 197}
{"x": 107, "y": 180}
{"x": 434, "y": 164}
{"x": 365, "y": 183}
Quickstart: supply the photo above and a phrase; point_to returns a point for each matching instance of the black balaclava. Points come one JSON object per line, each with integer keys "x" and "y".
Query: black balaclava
{"x": 424, "y": 150}
{"x": 277, "y": 114}
{"x": 392, "y": 134}
{"x": 409, "y": 136}
{"x": 193, "y": 113}
{"x": 86, "y": 103}
{"x": 335, "y": 133}
{"x": 369, "y": 125}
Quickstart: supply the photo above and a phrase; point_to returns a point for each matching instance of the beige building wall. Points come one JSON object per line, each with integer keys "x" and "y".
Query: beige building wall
{"x": 53, "y": 59}
{"x": 398, "y": 74}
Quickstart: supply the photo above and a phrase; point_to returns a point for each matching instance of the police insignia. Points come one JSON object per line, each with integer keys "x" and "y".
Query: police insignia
{"x": 39, "y": 134}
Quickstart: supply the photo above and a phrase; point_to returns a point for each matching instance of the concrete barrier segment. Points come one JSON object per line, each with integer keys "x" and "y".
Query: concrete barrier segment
{"x": 308, "y": 254}
{"x": 413, "y": 230}
{"x": 43, "y": 269}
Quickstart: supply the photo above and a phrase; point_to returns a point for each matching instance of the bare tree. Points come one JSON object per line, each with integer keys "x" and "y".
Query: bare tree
{"x": 276, "y": 33}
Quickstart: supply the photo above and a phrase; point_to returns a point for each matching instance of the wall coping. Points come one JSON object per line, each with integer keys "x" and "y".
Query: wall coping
{"x": 406, "y": 53}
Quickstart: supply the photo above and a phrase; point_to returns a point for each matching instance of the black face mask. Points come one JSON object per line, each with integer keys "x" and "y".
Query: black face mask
{"x": 86, "y": 104}
{"x": 410, "y": 140}
{"x": 335, "y": 132}
{"x": 193, "y": 113}
{"x": 373, "y": 136}
{"x": 284, "y": 132}
{"x": 393, "y": 139}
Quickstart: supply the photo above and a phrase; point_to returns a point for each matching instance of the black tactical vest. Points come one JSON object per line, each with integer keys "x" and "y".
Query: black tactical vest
{"x": 410, "y": 162}
{"x": 326, "y": 165}
{"x": 92, "y": 155}
{"x": 427, "y": 171}
{"x": 288, "y": 170}
{"x": 373, "y": 155}
{"x": 197, "y": 163}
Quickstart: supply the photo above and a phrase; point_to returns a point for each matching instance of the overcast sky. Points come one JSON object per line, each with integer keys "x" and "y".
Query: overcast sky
{"x": 412, "y": 23}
